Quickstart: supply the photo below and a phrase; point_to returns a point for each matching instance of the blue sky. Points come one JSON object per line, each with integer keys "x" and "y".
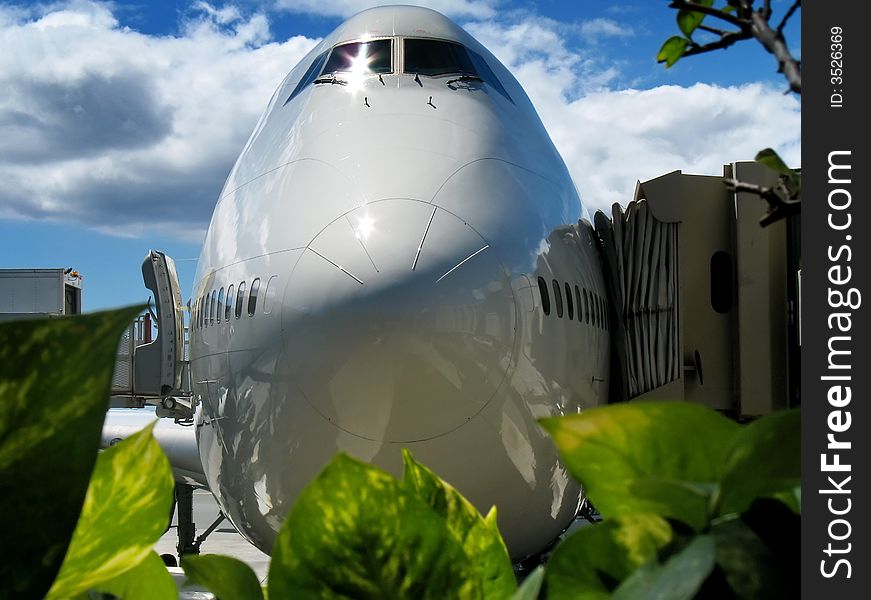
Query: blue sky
{"x": 121, "y": 120}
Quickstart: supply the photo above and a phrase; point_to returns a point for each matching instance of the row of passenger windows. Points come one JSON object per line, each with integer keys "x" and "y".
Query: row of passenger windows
{"x": 214, "y": 307}
{"x": 592, "y": 308}
{"x": 420, "y": 57}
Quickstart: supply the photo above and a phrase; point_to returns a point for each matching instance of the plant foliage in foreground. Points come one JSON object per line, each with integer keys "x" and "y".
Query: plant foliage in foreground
{"x": 55, "y": 376}
{"x": 695, "y": 505}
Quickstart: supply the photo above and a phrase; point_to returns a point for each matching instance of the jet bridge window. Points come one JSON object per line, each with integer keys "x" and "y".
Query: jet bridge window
{"x": 360, "y": 57}
{"x": 435, "y": 57}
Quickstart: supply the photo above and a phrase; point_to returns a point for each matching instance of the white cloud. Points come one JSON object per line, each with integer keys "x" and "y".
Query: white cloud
{"x": 346, "y": 8}
{"x": 129, "y": 133}
{"x": 611, "y": 138}
{"x": 598, "y": 28}
{"x": 102, "y": 125}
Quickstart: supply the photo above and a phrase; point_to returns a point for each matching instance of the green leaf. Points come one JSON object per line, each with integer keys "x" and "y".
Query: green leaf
{"x": 672, "y": 50}
{"x": 149, "y": 580}
{"x": 678, "y": 579}
{"x": 765, "y": 460}
{"x": 224, "y": 576}
{"x": 531, "y": 586}
{"x": 681, "y": 500}
{"x": 479, "y": 537}
{"x": 55, "y": 376}
{"x": 587, "y": 564}
{"x": 125, "y": 512}
{"x": 750, "y": 568}
{"x": 613, "y": 450}
{"x": 355, "y": 531}
{"x": 688, "y": 20}
{"x": 772, "y": 160}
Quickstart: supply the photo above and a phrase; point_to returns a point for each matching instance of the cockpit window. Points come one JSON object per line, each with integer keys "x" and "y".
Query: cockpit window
{"x": 310, "y": 75}
{"x": 486, "y": 73}
{"x": 435, "y": 57}
{"x": 360, "y": 57}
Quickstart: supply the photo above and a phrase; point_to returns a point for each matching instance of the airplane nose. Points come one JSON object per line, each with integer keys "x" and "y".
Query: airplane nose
{"x": 399, "y": 322}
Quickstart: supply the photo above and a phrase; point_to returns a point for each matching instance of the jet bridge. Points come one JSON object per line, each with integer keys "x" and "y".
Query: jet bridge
{"x": 156, "y": 370}
{"x": 704, "y": 299}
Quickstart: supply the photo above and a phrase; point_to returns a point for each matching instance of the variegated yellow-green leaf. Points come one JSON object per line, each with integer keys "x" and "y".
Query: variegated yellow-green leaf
{"x": 531, "y": 586}
{"x": 479, "y": 537}
{"x": 772, "y": 160}
{"x": 678, "y": 579}
{"x": 355, "y": 531}
{"x": 688, "y": 20}
{"x": 619, "y": 452}
{"x": 765, "y": 460}
{"x": 224, "y": 576}
{"x": 149, "y": 580}
{"x": 672, "y": 50}
{"x": 592, "y": 559}
{"x": 55, "y": 376}
{"x": 125, "y": 512}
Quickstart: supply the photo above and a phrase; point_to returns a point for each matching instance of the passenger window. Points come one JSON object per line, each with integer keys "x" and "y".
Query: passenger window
{"x": 252, "y": 297}
{"x": 721, "y": 282}
{"x": 310, "y": 75}
{"x": 240, "y": 296}
{"x": 545, "y": 297}
{"x": 578, "y": 302}
{"x": 436, "y": 57}
{"x": 220, "y": 304}
{"x": 558, "y": 299}
{"x": 360, "y": 57}
{"x": 570, "y": 307}
{"x": 213, "y": 305}
{"x": 586, "y": 307}
{"x": 269, "y": 294}
{"x": 228, "y": 310}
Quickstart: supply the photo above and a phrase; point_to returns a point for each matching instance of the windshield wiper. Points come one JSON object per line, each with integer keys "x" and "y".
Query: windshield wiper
{"x": 464, "y": 77}
{"x": 331, "y": 79}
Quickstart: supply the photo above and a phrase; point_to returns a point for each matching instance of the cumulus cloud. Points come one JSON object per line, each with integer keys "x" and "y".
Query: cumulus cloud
{"x": 130, "y": 133}
{"x": 599, "y": 28}
{"x": 610, "y": 138}
{"x": 346, "y": 8}
{"x": 102, "y": 125}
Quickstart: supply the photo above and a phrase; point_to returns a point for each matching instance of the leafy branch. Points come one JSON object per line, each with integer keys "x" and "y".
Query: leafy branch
{"x": 745, "y": 22}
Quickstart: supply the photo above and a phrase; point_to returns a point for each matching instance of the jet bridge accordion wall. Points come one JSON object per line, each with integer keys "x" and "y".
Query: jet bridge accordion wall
{"x": 640, "y": 259}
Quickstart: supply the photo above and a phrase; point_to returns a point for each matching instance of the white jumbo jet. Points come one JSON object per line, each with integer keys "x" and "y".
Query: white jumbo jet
{"x": 398, "y": 259}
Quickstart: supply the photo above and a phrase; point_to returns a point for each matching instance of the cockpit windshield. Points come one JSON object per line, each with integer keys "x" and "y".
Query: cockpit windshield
{"x": 360, "y": 57}
{"x": 435, "y": 57}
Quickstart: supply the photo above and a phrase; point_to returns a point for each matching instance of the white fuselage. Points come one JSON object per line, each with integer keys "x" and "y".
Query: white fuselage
{"x": 397, "y": 226}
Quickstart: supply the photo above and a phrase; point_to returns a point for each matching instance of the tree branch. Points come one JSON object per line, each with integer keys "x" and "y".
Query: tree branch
{"x": 786, "y": 17}
{"x": 775, "y": 43}
{"x": 778, "y": 207}
{"x": 713, "y": 12}
{"x": 714, "y": 30}
{"x": 724, "y": 42}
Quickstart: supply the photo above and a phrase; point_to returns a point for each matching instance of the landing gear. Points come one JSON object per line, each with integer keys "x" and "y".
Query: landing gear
{"x": 188, "y": 542}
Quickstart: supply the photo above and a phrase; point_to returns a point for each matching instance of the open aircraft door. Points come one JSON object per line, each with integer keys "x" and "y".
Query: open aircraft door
{"x": 158, "y": 365}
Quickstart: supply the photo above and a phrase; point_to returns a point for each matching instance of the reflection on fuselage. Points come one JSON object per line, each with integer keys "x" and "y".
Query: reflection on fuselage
{"x": 402, "y": 221}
